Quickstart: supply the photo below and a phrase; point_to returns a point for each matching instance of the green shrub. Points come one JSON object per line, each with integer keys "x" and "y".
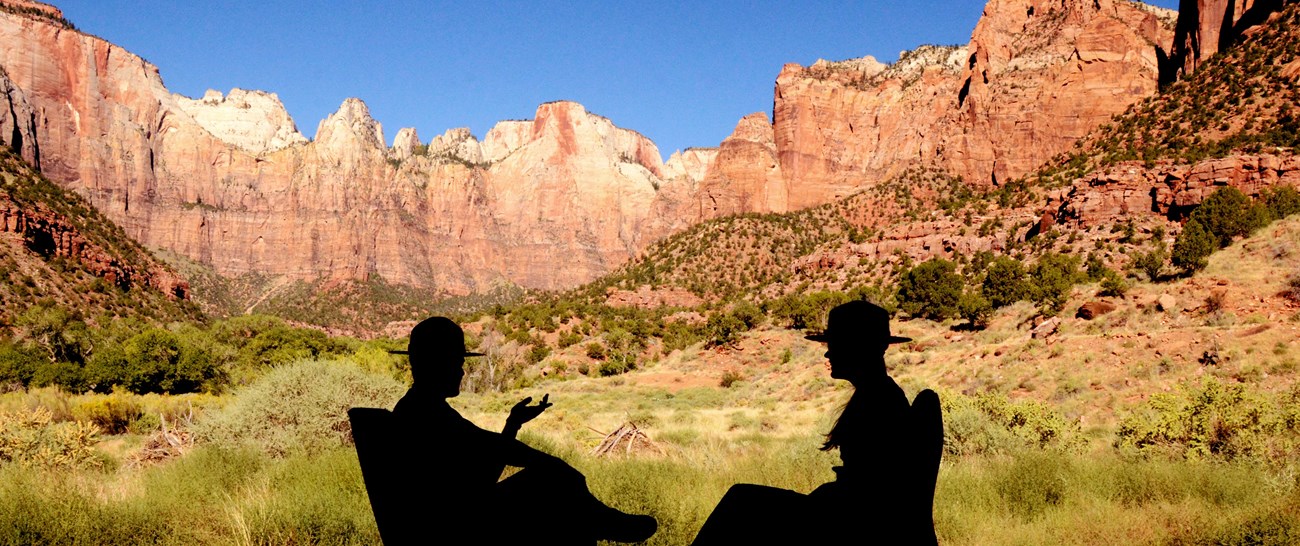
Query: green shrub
{"x": 1005, "y": 282}
{"x": 33, "y": 439}
{"x": 568, "y": 339}
{"x": 299, "y": 407}
{"x": 806, "y": 311}
{"x": 723, "y": 329}
{"x": 112, "y": 413}
{"x": 932, "y": 290}
{"x": 17, "y": 366}
{"x": 1052, "y": 277}
{"x": 282, "y": 344}
{"x": 976, "y": 309}
{"x": 1112, "y": 284}
{"x": 1151, "y": 262}
{"x": 537, "y": 353}
{"x": 991, "y": 423}
{"x": 1281, "y": 201}
{"x": 1214, "y": 420}
{"x": 1226, "y": 214}
{"x": 158, "y": 361}
{"x": 1193, "y": 247}
{"x": 729, "y": 378}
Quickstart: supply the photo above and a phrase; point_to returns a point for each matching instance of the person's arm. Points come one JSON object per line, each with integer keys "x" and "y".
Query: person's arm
{"x": 522, "y": 413}
{"x": 515, "y": 453}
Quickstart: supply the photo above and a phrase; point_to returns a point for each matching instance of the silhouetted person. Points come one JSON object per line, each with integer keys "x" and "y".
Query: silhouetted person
{"x": 453, "y": 488}
{"x": 890, "y": 451}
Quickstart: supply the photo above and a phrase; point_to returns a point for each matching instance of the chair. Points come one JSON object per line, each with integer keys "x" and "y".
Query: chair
{"x": 375, "y": 434}
{"x": 927, "y": 425}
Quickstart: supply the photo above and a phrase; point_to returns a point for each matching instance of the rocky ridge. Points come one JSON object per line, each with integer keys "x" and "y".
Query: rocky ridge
{"x": 255, "y": 121}
{"x": 55, "y": 248}
{"x": 1035, "y": 77}
{"x": 560, "y": 199}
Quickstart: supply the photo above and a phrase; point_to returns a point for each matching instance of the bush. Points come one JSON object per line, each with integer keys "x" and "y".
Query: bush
{"x": 1150, "y": 263}
{"x": 299, "y": 408}
{"x": 537, "y": 354}
{"x": 1192, "y": 247}
{"x": 596, "y": 351}
{"x": 1053, "y": 276}
{"x": 1214, "y": 420}
{"x": 1226, "y": 214}
{"x": 568, "y": 339}
{"x": 993, "y": 424}
{"x": 1005, "y": 282}
{"x": 282, "y": 344}
{"x": 158, "y": 361}
{"x": 931, "y": 289}
{"x": 17, "y": 366}
{"x": 806, "y": 311}
{"x": 112, "y": 413}
{"x": 33, "y": 439}
{"x": 976, "y": 309}
{"x": 1112, "y": 284}
{"x": 729, "y": 378}
{"x": 1281, "y": 201}
{"x": 723, "y": 329}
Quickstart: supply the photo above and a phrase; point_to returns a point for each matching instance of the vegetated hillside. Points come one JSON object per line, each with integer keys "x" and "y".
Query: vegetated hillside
{"x": 1245, "y": 99}
{"x": 1092, "y": 219}
{"x": 342, "y": 307}
{"x": 58, "y": 252}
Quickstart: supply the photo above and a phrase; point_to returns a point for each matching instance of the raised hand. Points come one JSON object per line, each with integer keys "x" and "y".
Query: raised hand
{"x": 522, "y": 413}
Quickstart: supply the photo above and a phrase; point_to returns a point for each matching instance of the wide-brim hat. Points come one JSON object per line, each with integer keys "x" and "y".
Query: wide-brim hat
{"x": 437, "y": 336}
{"x": 859, "y": 320}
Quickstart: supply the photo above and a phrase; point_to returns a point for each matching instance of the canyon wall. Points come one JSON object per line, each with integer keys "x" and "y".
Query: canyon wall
{"x": 229, "y": 181}
{"x": 551, "y": 202}
{"x": 1036, "y": 76}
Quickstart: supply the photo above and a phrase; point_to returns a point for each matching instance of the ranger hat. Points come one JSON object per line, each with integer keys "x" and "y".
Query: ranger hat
{"x": 859, "y": 320}
{"x": 437, "y": 337}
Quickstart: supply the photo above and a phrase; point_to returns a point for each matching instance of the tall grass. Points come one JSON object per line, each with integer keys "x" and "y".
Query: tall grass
{"x": 224, "y": 496}
{"x": 212, "y": 496}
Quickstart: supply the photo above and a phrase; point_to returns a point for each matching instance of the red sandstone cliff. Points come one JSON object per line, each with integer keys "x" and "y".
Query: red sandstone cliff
{"x": 1206, "y": 27}
{"x": 1036, "y": 76}
{"x": 229, "y": 181}
{"x": 551, "y": 202}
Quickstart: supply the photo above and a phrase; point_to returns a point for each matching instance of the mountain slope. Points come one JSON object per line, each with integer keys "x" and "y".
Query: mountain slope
{"x": 57, "y": 250}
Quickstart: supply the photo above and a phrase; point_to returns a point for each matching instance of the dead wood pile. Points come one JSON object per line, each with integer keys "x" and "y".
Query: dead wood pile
{"x": 168, "y": 442}
{"x": 627, "y": 439}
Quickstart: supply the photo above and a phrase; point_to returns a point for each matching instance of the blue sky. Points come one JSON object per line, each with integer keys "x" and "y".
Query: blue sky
{"x": 682, "y": 73}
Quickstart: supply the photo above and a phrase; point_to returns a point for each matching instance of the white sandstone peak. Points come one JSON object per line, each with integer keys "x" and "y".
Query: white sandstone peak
{"x": 253, "y": 120}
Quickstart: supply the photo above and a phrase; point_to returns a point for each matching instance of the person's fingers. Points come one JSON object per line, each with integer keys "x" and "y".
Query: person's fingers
{"x": 545, "y": 398}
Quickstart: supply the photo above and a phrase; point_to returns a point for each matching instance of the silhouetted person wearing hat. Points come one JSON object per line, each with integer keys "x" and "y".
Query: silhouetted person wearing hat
{"x": 871, "y": 497}
{"x": 459, "y": 464}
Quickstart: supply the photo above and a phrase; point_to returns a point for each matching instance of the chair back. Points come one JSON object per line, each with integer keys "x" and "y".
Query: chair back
{"x": 927, "y": 424}
{"x": 375, "y": 434}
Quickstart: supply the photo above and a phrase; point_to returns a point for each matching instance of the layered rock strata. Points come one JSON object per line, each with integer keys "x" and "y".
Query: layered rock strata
{"x": 1206, "y": 27}
{"x": 228, "y": 181}
{"x": 1036, "y": 76}
{"x": 560, "y": 199}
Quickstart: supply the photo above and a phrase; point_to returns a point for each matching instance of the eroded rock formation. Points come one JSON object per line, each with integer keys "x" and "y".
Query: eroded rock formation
{"x": 1036, "y": 76}
{"x": 560, "y": 199}
{"x": 1206, "y": 27}
{"x": 228, "y": 181}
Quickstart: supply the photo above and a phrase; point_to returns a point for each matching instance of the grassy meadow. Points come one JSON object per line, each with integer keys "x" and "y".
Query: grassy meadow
{"x": 1172, "y": 419}
{"x": 1015, "y": 472}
